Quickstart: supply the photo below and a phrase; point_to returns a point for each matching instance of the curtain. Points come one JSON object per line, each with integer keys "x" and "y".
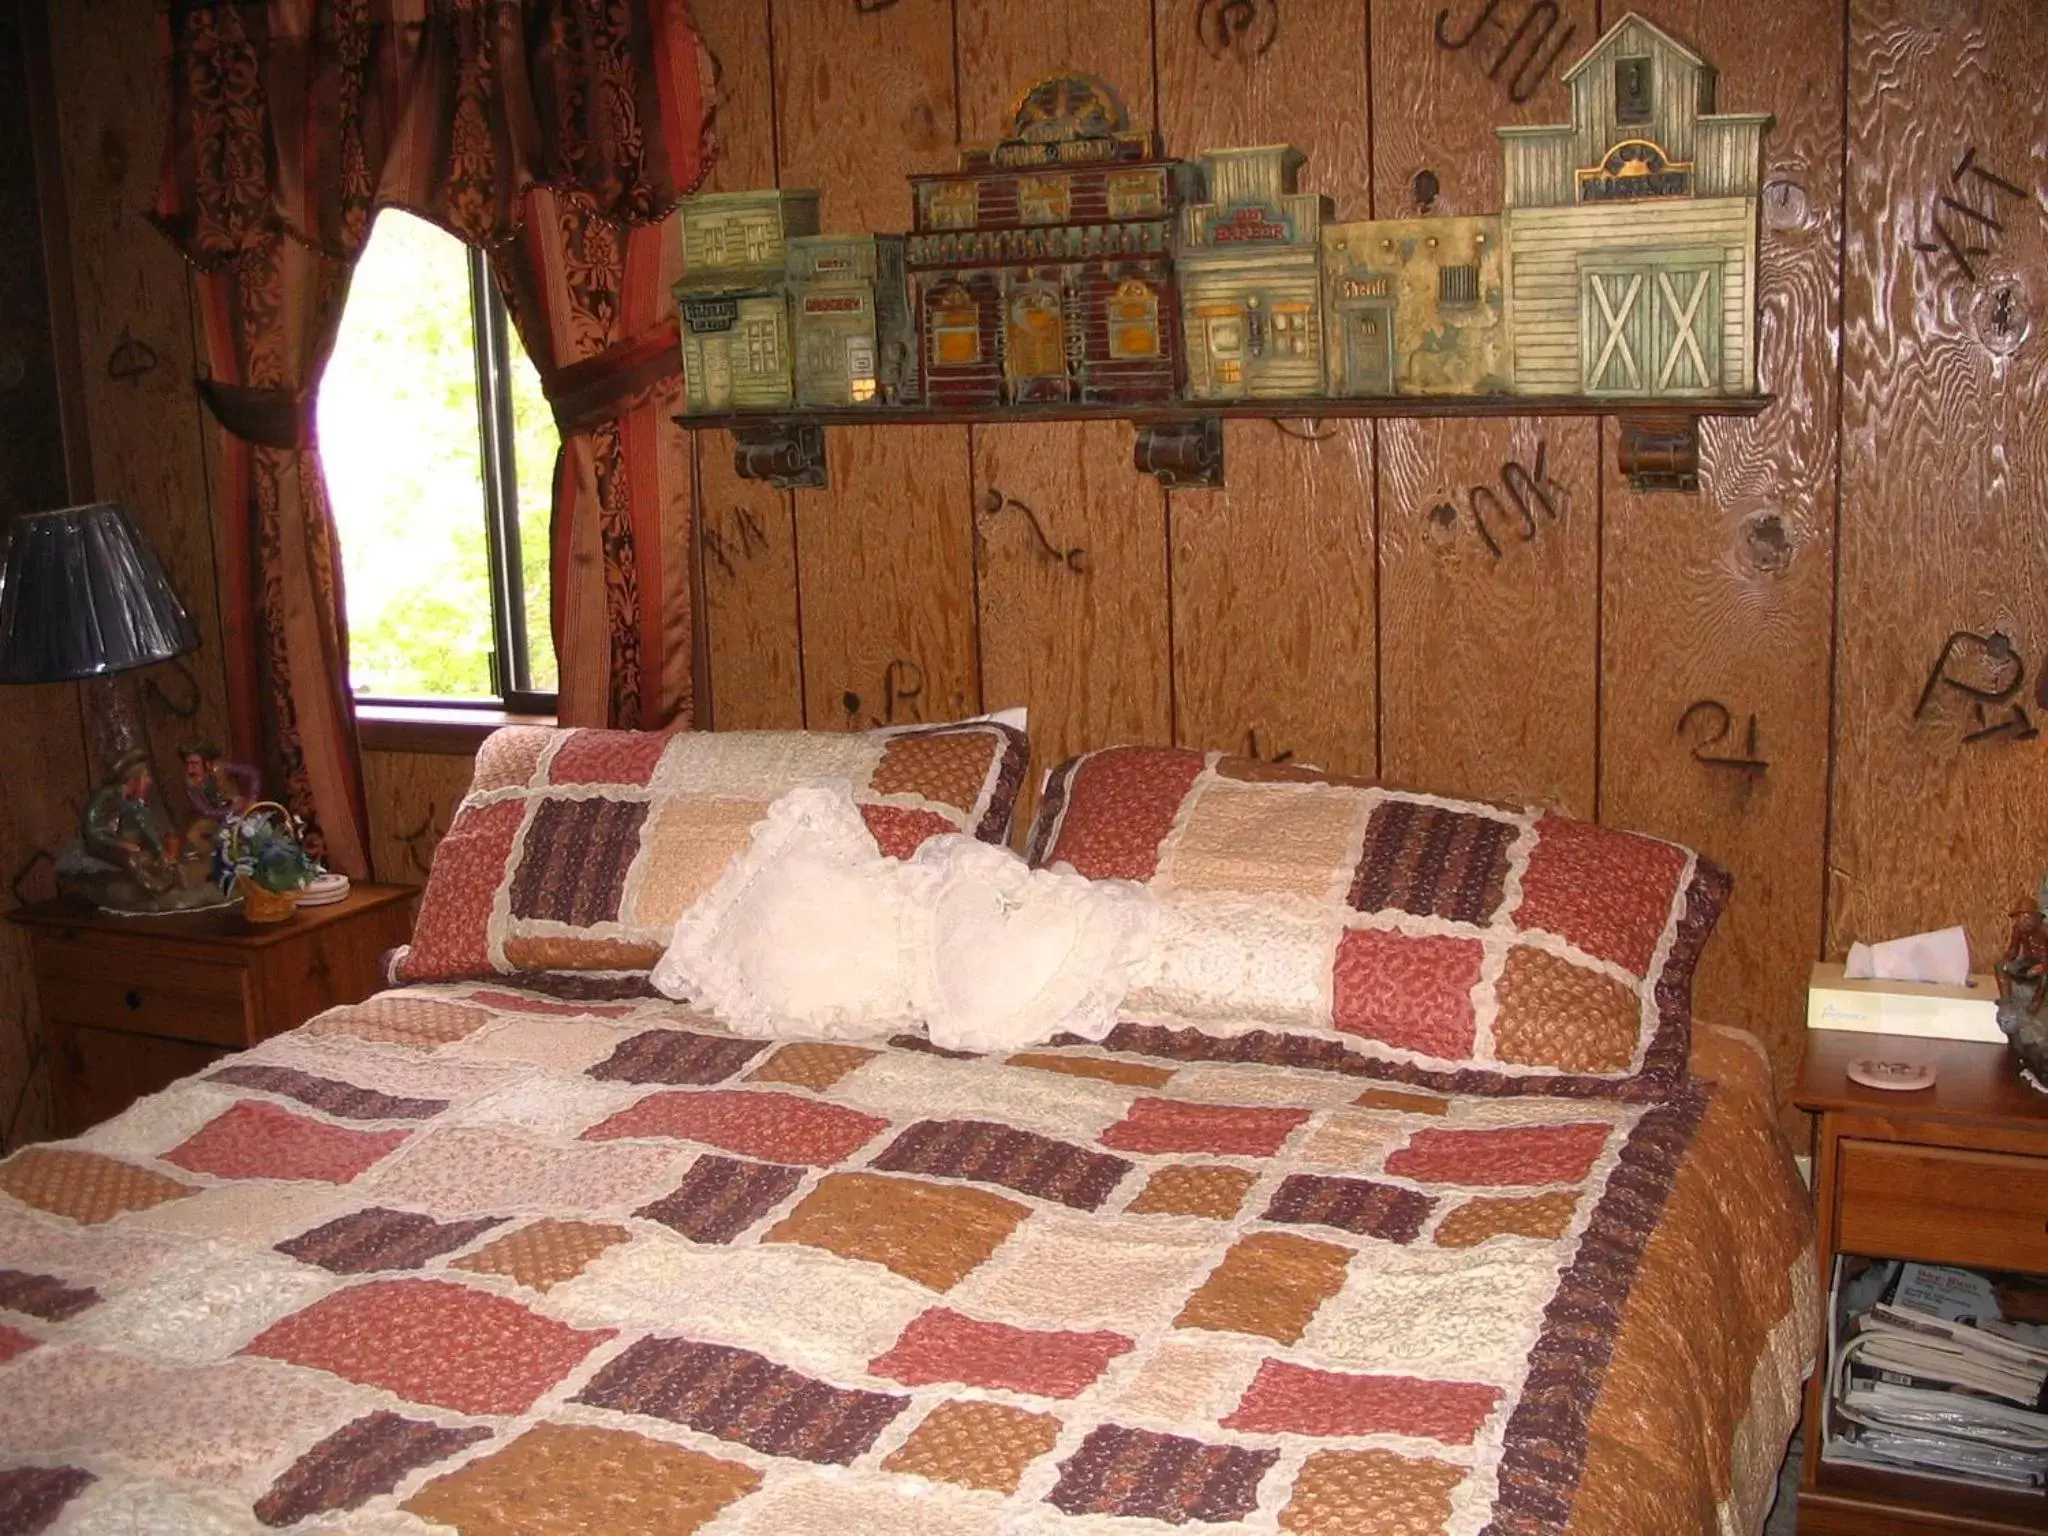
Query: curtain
{"x": 291, "y": 122}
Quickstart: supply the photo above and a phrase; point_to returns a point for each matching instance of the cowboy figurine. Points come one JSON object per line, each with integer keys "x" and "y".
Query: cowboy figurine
{"x": 123, "y": 828}
{"x": 217, "y": 790}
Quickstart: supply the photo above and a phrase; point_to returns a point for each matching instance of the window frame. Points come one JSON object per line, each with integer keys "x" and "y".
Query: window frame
{"x": 510, "y": 662}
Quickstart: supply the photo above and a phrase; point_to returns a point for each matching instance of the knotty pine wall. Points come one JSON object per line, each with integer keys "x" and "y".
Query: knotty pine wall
{"x": 1324, "y": 605}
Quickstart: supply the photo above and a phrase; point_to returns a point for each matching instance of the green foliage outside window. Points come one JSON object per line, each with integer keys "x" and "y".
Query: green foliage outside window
{"x": 400, "y": 444}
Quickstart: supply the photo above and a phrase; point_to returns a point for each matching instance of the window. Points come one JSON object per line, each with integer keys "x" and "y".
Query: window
{"x": 439, "y": 450}
{"x": 1457, "y": 285}
{"x": 1632, "y": 90}
{"x": 955, "y": 328}
{"x": 1134, "y": 321}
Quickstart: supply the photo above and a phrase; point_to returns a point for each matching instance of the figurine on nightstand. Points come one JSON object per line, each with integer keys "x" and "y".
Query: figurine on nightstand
{"x": 217, "y": 790}
{"x": 2023, "y": 988}
{"x": 127, "y": 859}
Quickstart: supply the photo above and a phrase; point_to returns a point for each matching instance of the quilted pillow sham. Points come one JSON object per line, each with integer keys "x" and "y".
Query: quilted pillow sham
{"x": 576, "y": 850}
{"x": 1315, "y": 920}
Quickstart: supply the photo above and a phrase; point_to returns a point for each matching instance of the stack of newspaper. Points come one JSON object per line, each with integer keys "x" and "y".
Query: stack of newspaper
{"x": 1927, "y": 1373}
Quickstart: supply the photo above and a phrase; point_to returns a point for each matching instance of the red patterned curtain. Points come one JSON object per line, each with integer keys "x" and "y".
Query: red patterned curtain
{"x": 291, "y": 122}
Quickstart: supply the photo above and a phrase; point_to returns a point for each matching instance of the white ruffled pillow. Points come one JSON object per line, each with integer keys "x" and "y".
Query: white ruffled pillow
{"x": 814, "y": 933}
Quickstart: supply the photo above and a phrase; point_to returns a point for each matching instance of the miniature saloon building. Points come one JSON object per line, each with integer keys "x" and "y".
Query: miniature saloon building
{"x": 732, "y": 298}
{"x": 1042, "y": 269}
{"x": 1416, "y": 307}
{"x": 1632, "y": 233}
{"x": 1251, "y": 293}
{"x": 853, "y": 341}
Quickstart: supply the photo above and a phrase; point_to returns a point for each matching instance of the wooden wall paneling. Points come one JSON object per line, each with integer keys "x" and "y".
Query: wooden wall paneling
{"x": 1723, "y": 600}
{"x": 888, "y": 581}
{"x": 746, "y": 530}
{"x": 1488, "y": 664}
{"x": 412, "y": 797}
{"x": 135, "y": 326}
{"x": 1944, "y": 471}
{"x": 884, "y": 559}
{"x": 1273, "y": 626}
{"x": 1086, "y": 651}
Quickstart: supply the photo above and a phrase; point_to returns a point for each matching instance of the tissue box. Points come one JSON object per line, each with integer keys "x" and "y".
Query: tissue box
{"x": 1903, "y": 1007}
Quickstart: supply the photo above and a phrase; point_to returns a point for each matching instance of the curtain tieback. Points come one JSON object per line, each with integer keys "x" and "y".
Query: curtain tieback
{"x": 589, "y": 393}
{"x": 269, "y": 418}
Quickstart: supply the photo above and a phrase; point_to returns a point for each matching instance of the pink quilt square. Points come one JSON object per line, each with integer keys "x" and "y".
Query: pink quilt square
{"x": 432, "y": 1342}
{"x": 14, "y": 1342}
{"x": 1530, "y": 1154}
{"x": 1412, "y": 992}
{"x": 775, "y": 1127}
{"x": 942, "y": 1345}
{"x": 607, "y": 757}
{"x": 261, "y": 1141}
{"x": 901, "y": 830}
{"x": 1120, "y": 806}
{"x": 1166, "y": 1125}
{"x": 1608, "y": 892}
{"x": 452, "y": 936}
{"x": 1294, "y": 1399}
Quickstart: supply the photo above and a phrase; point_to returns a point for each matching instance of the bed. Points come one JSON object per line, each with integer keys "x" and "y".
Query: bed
{"x": 477, "y": 1254}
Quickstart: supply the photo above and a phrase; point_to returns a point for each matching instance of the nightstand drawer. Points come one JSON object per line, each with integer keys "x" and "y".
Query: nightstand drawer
{"x": 185, "y": 1000}
{"x": 1943, "y": 1205}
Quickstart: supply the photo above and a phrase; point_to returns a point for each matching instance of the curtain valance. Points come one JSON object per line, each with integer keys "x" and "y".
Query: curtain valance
{"x": 303, "y": 117}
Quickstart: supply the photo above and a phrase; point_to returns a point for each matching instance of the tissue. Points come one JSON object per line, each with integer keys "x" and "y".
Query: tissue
{"x": 1941, "y": 957}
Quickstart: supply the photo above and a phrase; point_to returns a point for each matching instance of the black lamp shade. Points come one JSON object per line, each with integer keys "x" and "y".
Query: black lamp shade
{"x": 82, "y": 594}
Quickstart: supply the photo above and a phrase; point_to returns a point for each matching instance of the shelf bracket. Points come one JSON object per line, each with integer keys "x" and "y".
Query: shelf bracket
{"x": 789, "y": 455}
{"x": 1185, "y": 455}
{"x": 1660, "y": 450}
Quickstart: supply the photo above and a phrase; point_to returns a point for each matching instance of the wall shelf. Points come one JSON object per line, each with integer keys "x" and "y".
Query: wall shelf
{"x": 1182, "y": 442}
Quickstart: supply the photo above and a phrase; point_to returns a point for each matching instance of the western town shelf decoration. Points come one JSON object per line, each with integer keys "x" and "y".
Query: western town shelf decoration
{"x": 1075, "y": 271}
{"x": 1042, "y": 269}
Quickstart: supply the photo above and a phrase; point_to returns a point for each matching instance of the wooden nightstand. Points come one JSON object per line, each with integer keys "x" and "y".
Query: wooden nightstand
{"x": 1952, "y": 1174}
{"x": 134, "y": 1003}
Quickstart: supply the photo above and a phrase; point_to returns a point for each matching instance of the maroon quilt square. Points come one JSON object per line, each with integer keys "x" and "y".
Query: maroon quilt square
{"x": 1432, "y": 861}
{"x": 991, "y": 1153}
{"x": 357, "y": 1462}
{"x": 720, "y": 1197}
{"x": 572, "y": 866}
{"x": 364, "y": 1242}
{"x": 676, "y": 1056}
{"x": 1138, "y": 1472}
{"x": 1387, "y": 1211}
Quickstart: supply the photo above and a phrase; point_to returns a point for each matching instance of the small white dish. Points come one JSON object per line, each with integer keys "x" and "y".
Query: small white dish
{"x": 1894, "y": 1076}
{"x": 324, "y": 890}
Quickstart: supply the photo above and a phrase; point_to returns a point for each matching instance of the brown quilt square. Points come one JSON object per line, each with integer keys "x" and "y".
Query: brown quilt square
{"x": 811, "y": 1064}
{"x": 85, "y": 1186}
{"x": 1270, "y": 1283}
{"x": 976, "y": 1444}
{"x": 950, "y": 767}
{"x": 544, "y": 1253}
{"x": 1339, "y": 1492}
{"x": 1557, "y": 1014}
{"x": 1194, "y": 1189}
{"x": 568, "y": 1480}
{"x": 1487, "y": 1216}
{"x": 934, "y": 1234}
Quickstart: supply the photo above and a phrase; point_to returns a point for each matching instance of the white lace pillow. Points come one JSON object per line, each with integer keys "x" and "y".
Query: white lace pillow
{"x": 814, "y": 933}
{"x": 1019, "y": 955}
{"x": 811, "y": 931}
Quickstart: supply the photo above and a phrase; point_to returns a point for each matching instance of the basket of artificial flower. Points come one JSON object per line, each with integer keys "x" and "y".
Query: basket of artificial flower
{"x": 259, "y": 856}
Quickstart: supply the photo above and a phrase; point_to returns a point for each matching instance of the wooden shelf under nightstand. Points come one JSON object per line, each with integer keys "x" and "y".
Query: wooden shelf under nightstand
{"x": 132, "y": 1004}
{"x": 1952, "y": 1174}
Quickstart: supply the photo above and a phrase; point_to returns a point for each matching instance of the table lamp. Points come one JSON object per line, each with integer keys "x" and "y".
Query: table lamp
{"x": 83, "y": 597}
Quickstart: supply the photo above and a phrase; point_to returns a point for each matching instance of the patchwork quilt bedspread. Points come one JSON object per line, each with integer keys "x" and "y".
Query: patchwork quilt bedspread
{"x": 474, "y": 1258}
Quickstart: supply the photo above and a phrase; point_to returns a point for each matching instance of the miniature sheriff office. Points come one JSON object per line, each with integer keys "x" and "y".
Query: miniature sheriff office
{"x": 1631, "y": 234}
{"x": 1042, "y": 269}
{"x": 1416, "y": 307}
